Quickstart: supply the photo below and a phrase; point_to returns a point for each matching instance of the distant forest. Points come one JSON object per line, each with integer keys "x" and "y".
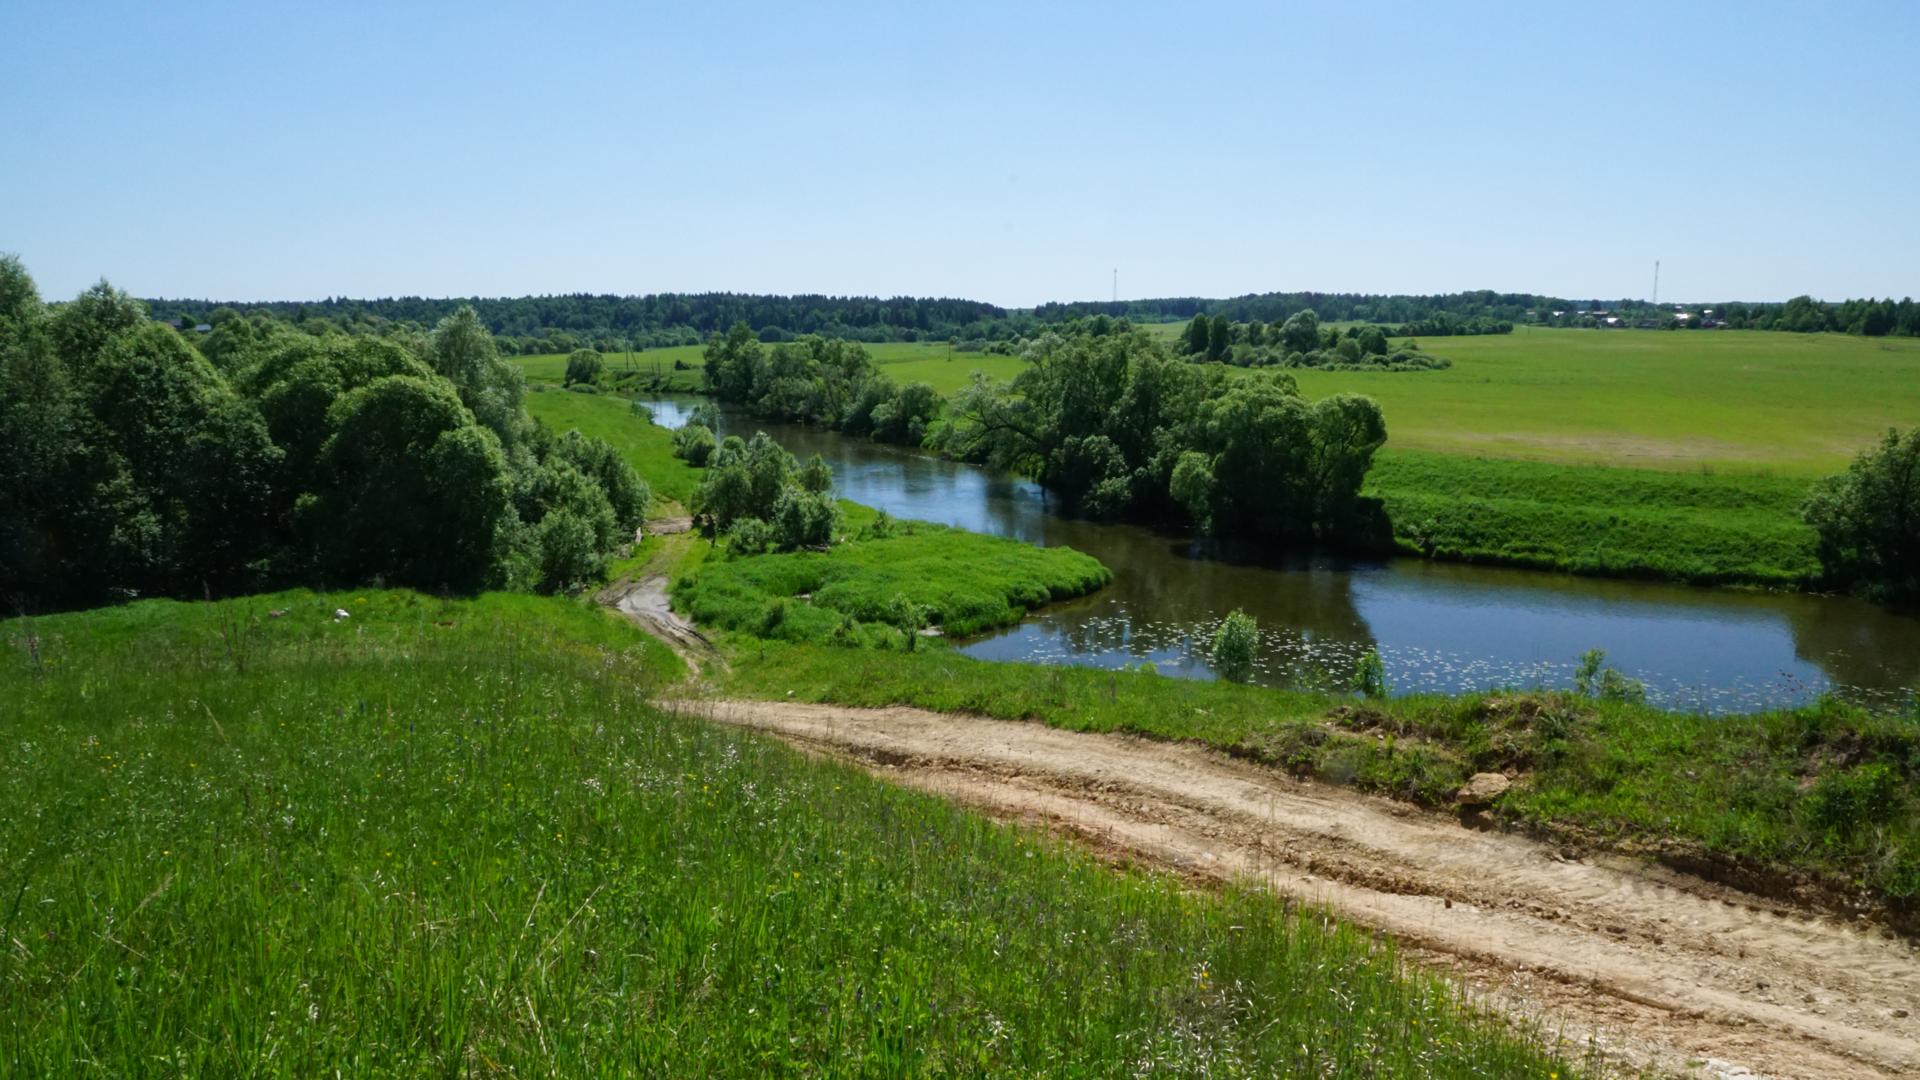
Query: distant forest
{"x": 549, "y": 324}
{"x": 546, "y": 324}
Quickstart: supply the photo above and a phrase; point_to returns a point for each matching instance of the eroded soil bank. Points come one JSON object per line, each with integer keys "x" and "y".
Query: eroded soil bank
{"x": 1658, "y": 968}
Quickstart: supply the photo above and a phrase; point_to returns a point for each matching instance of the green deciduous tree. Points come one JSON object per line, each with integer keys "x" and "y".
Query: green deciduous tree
{"x": 1868, "y": 520}
{"x": 462, "y": 351}
{"x": 583, "y": 366}
{"x": 1219, "y": 338}
{"x": 1300, "y": 333}
{"x": 411, "y": 489}
{"x": 1196, "y": 335}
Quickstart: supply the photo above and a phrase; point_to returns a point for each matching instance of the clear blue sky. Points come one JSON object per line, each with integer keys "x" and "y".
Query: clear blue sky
{"x": 1011, "y": 153}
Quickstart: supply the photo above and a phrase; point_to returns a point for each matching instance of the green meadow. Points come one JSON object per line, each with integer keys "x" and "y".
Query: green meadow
{"x": 963, "y": 583}
{"x": 648, "y": 447}
{"x": 1702, "y": 401}
{"x": 1682, "y": 455}
{"x": 442, "y": 837}
{"x": 1706, "y": 529}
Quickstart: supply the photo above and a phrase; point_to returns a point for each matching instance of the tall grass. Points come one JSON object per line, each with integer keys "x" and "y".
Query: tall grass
{"x": 440, "y": 837}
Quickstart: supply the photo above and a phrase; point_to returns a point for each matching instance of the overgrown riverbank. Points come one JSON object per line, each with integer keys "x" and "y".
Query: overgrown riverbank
{"x": 1816, "y": 803}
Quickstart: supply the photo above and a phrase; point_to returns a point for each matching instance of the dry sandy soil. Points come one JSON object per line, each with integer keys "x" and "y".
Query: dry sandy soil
{"x": 1655, "y": 968}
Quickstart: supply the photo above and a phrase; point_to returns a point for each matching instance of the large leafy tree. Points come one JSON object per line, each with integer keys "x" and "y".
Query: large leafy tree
{"x": 1868, "y": 520}
{"x": 1300, "y": 333}
{"x": 62, "y": 492}
{"x": 462, "y": 351}
{"x": 410, "y": 488}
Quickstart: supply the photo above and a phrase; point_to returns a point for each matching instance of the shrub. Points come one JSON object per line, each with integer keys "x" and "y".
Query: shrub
{"x": 1844, "y": 802}
{"x": 1594, "y": 677}
{"x": 803, "y": 519}
{"x": 694, "y": 444}
{"x": 750, "y": 536}
{"x": 583, "y": 366}
{"x": 1370, "y": 675}
{"x": 882, "y": 527}
{"x": 567, "y": 552}
{"x": 1234, "y": 643}
{"x": 910, "y": 617}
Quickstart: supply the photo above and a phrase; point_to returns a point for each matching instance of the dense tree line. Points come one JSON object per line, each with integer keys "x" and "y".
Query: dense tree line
{"x": 1118, "y": 425}
{"x": 1301, "y": 342}
{"x": 1445, "y": 324}
{"x": 1464, "y": 308}
{"x": 133, "y": 463}
{"x": 560, "y": 324}
{"x": 815, "y": 380}
{"x": 1803, "y": 314}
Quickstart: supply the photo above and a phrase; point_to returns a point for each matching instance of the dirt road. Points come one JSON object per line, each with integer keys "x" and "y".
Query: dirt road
{"x": 1656, "y": 967}
{"x": 645, "y": 602}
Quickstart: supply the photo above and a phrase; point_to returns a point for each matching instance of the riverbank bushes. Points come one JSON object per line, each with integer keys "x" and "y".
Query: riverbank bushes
{"x": 1868, "y": 521}
{"x": 1820, "y": 802}
{"x": 814, "y": 380}
{"x": 1118, "y": 426}
{"x": 132, "y": 463}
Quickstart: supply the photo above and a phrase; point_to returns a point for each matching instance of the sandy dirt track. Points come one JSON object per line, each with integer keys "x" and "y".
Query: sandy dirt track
{"x": 1657, "y": 968}
{"x": 645, "y": 601}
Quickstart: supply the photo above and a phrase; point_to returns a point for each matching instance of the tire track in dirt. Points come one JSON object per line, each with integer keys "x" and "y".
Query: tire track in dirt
{"x": 1656, "y": 968}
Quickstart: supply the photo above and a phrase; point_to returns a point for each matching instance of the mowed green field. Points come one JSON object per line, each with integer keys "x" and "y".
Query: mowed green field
{"x": 1748, "y": 401}
{"x": 1678, "y": 455}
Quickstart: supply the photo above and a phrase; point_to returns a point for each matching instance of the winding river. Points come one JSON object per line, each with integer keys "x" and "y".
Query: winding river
{"x": 1439, "y": 627}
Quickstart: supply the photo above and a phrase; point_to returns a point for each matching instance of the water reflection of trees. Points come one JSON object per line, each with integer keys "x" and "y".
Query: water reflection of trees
{"x": 1168, "y": 594}
{"x": 1856, "y": 644}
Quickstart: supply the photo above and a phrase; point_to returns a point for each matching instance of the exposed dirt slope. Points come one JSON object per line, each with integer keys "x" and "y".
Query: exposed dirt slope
{"x": 1657, "y": 967}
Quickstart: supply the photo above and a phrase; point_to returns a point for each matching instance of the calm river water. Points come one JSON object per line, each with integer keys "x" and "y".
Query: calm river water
{"x": 1438, "y": 626}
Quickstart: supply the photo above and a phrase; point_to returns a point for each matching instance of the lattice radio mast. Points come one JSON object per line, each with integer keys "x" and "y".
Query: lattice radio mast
{"x": 1656, "y": 283}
